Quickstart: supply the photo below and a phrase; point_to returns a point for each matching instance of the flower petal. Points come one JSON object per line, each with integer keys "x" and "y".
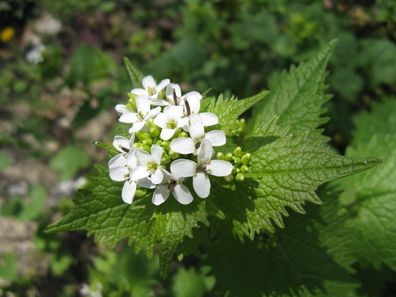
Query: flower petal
{"x": 145, "y": 183}
{"x": 119, "y": 173}
{"x": 121, "y": 108}
{"x": 139, "y": 92}
{"x": 193, "y": 104}
{"x": 157, "y": 177}
{"x": 183, "y": 145}
{"x": 148, "y": 82}
{"x": 117, "y": 161}
{"x": 132, "y": 160}
{"x": 183, "y": 167}
{"x": 219, "y": 168}
{"x": 196, "y": 129}
{"x": 129, "y": 117}
{"x": 159, "y": 102}
{"x": 161, "y": 121}
{"x": 128, "y": 191}
{"x": 137, "y": 126}
{"x": 121, "y": 144}
{"x": 182, "y": 194}
{"x": 201, "y": 184}
{"x": 169, "y": 93}
{"x": 143, "y": 104}
{"x": 167, "y": 134}
{"x": 156, "y": 153}
{"x": 162, "y": 85}
{"x": 143, "y": 157}
{"x": 152, "y": 113}
{"x": 205, "y": 151}
{"x": 209, "y": 119}
{"x": 160, "y": 194}
{"x": 183, "y": 123}
{"x": 173, "y": 112}
{"x": 139, "y": 173}
{"x": 216, "y": 137}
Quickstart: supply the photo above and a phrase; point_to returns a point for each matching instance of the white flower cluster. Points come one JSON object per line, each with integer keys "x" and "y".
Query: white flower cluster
{"x": 179, "y": 123}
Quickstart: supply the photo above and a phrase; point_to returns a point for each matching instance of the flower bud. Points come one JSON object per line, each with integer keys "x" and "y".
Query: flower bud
{"x": 237, "y": 160}
{"x": 173, "y": 155}
{"x": 183, "y": 134}
{"x": 240, "y": 177}
{"x": 140, "y": 193}
{"x": 154, "y": 132}
{"x": 238, "y": 152}
{"x": 166, "y": 145}
{"x": 229, "y": 178}
{"x": 244, "y": 169}
{"x": 228, "y": 156}
{"x": 147, "y": 142}
{"x": 131, "y": 105}
{"x": 143, "y": 135}
{"x": 246, "y": 158}
{"x": 220, "y": 156}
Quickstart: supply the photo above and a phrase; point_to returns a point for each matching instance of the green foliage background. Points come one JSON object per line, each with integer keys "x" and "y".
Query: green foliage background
{"x": 345, "y": 247}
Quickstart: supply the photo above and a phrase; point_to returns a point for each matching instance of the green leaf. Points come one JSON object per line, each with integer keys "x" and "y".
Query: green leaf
{"x": 228, "y": 110}
{"x": 100, "y": 211}
{"x": 134, "y": 73}
{"x": 285, "y": 173}
{"x": 295, "y": 262}
{"x": 371, "y": 196}
{"x": 5, "y": 161}
{"x": 297, "y": 97}
{"x": 188, "y": 283}
{"x": 69, "y": 161}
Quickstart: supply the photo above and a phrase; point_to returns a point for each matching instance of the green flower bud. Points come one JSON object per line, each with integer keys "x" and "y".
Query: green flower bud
{"x": 229, "y": 178}
{"x": 143, "y": 135}
{"x": 131, "y": 105}
{"x": 237, "y": 170}
{"x": 146, "y": 147}
{"x": 244, "y": 169}
{"x": 165, "y": 159}
{"x": 183, "y": 134}
{"x": 220, "y": 156}
{"x": 237, "y": 160}
{"x": 147, "y": 142}
{"x": 154, "y": 132}
{"x": 246, "y": 158}
{"x": 173, "y": 155}
{"x": 159, "y": 142}
{"x": 240, "y": 177}
{"x": 228, "y": 156}
{"x": 140, "y": 193}
{"x": 165, "y": 145}
{"x": 138, "y": 145}
{"x": 238, "y": 152}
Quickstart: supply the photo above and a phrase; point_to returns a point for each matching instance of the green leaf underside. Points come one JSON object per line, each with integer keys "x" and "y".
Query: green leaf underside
{"x": 294, "y": 262}
{"x": 371, "y": 196}
{"x": 134, "y": 73}
{"x": 297, "y": 97}
{"x": 285, "y": 174}
{"x": 228, "y": 110}
{"x": 101, "y": 212}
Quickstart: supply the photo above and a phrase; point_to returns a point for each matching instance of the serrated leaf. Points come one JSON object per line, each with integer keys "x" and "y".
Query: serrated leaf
{"x": 371, "y": 196}
{"x": 285, "y": 174}
{"x": 100, "y": 211}
{"x": 134, "y": 73}
{"x": 297, "y": 97}
{"x": 228, "y": 110}
{"x": 294, "y": 262}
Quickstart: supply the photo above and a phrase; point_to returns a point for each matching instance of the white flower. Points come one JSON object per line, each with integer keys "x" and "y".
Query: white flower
{"x": 150, "y": 88}
{"x": 139, "y": 118}
{"x": 173, "y": 94}
{"x": 169, "y": 121}
{"x": 35, "y": 55}
{"x": 149, "y": 165}
{"x": 199, "y": 171}
{"x": 172, "y": 184}
{"x": 186, "y": 145}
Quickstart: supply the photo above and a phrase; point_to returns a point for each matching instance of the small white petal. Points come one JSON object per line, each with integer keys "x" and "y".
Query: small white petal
{"x": 157, "y": 177}
{"x": 156, "y": 153}
{"x": 216, "y": 137}
{"x": 167, "y": 134}
{"x": 136, "y": 127}
{"x": 145, "y": 183}
{"x": 183, "y": 123}
{"x": 183, "y": 167}
{"x": 182, "y": 194}
{"x": 143, "y": 157}
{"x": 193, "y": 95}
{"x": 159, "y": 102}
{"x": 129, "y": 117}
{"x": 219, "y": 168}
{"x": 173, "y": 112}
{"x": 152, "y": 113}
{"x": 205, "y": 152}
{"x": 183, "y": 145}
{"x": 193, "y": 102}
{"x": 162, "y": 85}
{"x": 121, "y": 108}
{"x": 196, "y": 129}
{"x": 161, "y": 121}
{"x": 143, "y": 104}
{"x": 119, "y": 173}
{"x": 209, "y": 119}
{"x": 148, "y": 82}
{"x": 132, "y": 160}
{"x": 170, "y": 89}
{"x": 140, "y": 92}
{"x": 139, "y": 173}
{"x": 160, "y": 195}
{"x": 201, "y": 184}
{"x": 117, "y": 161}
{"x": 121, "y": 143}
{"x": 128, "y": 191}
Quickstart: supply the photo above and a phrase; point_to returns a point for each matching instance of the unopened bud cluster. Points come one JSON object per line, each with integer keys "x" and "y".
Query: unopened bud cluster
{"x": 240, "y": 161}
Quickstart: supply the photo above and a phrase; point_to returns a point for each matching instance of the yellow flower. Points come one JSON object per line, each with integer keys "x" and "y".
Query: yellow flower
{"x": 7, "y": 34}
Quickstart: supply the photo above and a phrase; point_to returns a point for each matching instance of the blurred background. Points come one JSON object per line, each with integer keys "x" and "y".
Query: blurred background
{"x": 61, "y": 74}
